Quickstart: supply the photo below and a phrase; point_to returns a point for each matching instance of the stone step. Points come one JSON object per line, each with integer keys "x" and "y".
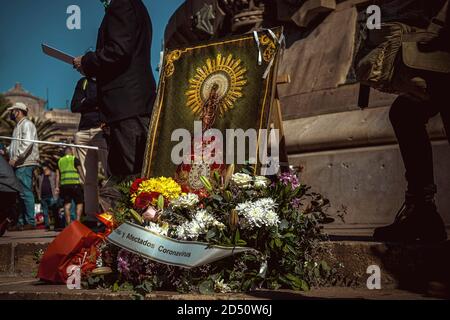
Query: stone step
{"x": 414, "y": 267}
{"x": 17, "y": 288}
{"x": 19, "y": 250}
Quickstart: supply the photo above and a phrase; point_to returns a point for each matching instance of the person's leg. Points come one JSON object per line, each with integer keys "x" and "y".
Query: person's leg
{"x": 409, "y": 118}
{"x": 59, "y": 213}
{"x": 52, "y": 212}
{"x": 90, "y": 184}
{"x": 445, "y": 115}
{"x": 82, "y": 138}
{"x": 45, "y": 204}
{"x": 21, "y": 208}
{"x": 25, "y": 176}
{"x": 78, "y": 198}
{"x": 67, "y": 203}
{"x": 79, "y": 211}
{"x": 8, "y": 202}
{"x": 127, "y": 143}
{"x": 418, "y": 218}
{"x": 67, "y": 207}
{"x": 439, "y": 87}
{"x": 99, "y": 140}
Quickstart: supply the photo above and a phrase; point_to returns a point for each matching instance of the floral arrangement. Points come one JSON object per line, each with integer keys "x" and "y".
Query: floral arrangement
{"x": 278, "y": 217}
{"x": 145, "y": 192}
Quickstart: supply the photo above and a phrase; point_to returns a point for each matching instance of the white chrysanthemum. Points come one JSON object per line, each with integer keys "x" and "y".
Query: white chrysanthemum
{"x": 157, "y": 228}
{"x": 200, "y": 224}
{"x": 180, "y": 232}
{"x": 219, "y": 225}
{"x": 257, "y": 214}
{"x": 221, "y": 287}
{"x": 186, "y": 201}
{"x": 242, "y": 180}
{"x": 261, "y": 182}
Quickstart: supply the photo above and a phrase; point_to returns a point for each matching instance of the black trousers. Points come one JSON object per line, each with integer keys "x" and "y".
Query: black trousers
{"x": 8, "y": 208}
{"x": 127, "y": 141}
{"x": 409, "y": 118}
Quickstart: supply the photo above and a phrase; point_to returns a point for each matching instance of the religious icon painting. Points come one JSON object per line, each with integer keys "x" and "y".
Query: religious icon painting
{"x": 225, "y": 86}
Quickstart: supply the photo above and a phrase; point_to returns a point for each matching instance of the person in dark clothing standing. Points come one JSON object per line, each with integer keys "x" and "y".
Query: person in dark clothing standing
{"x": 418, "y": 219}
{"x": 10, "y": 187}
{"x": 48, "y": 192}
{"x": 126, "y": 86}
{"x": 90, "y": 133}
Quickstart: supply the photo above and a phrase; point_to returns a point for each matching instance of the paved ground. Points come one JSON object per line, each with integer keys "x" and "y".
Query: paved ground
{"x": 26, "y": 287}
{"x": 30, "y": 236}
{"x": 29, "y": 288}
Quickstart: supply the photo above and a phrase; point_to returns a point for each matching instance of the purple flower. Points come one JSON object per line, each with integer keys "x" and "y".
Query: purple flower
{"x": 134, "y": 267}
{"x": 296, "y": 203}
{"x": 289, "y": 179}
{"x": 123, "y": 262}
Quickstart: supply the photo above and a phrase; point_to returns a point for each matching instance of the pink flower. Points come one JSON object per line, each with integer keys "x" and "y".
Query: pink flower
{"x": 150, "y": 214}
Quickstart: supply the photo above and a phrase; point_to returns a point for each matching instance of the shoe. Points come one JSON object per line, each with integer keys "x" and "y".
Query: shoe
{"x": 415, "y": 221}
{"x": 28, "y": 227}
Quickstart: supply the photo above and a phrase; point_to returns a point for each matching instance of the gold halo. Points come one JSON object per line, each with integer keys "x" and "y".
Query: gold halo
{"x": 227, "y": 73}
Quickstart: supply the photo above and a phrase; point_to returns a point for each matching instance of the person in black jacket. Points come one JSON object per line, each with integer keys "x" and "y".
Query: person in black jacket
{"x": 90, "y": 133}
{"x": 126, "y": 86}
{"x": 10, "y": 187}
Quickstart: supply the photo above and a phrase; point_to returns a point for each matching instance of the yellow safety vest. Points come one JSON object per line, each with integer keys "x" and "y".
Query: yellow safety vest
{"x": 69, "y": 174}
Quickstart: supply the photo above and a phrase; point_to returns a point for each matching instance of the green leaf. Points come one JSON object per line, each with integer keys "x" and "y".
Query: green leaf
{"x": 289, "y": 235}
{"x": 241, "y": 242}
{"x": 206, "y": 183}
{"x": 136, "y": 216}
{"x": 297, "y": 283}
{"x": 206, "y": 287}
{"x": 316, "y": 272}
{"x": 272, "y": 244}
{"x": 116, "y": 286}
{"x": 247, "y": 285}
{"x": 304, "y": 285}
{"x": 147, "y": 286}
{"x": 161, "y": 202}
{"x": 237, "y": 236}
{"x": 278, "y": 242}
{"x": 228, "y": 196}
{"x": 211, "y": 234}
{"x": 126, "y": 286}
{"x": 217, "y": 176}
{"x": 284, "y": 224}
{"x": 324, "y": 265}
{"x": 289, "y": 247}
{"x": 217, "y": 198}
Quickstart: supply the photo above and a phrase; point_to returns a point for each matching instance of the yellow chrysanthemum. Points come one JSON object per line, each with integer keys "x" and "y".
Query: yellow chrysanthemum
{"x": 168, "y": 187}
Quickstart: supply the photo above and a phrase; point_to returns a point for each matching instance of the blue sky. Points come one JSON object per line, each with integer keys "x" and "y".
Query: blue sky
{"x": 25, "y": 24}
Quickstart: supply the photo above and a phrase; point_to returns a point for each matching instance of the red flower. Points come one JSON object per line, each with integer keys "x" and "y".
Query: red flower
{"x": 202, "y": 193}
{"x": 185, "y": 188}
{"x": 135, "y": 186}
{"x": 145, "y": 199}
